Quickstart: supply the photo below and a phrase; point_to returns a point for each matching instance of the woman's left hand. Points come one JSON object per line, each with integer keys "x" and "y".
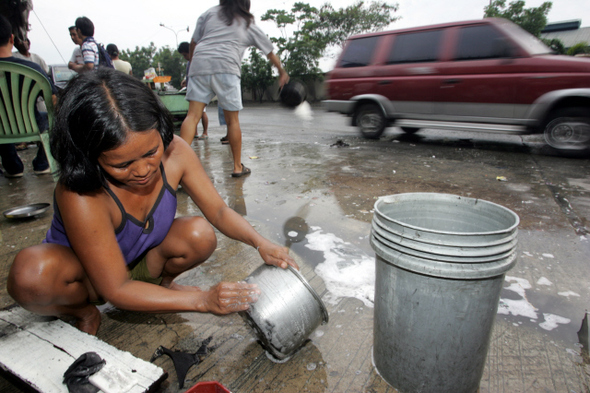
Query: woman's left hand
{"x": 276, "y": 255}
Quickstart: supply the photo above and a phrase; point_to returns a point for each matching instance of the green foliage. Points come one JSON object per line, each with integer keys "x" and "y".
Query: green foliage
{"x": 172, "y": 63}
{"x": 555, "y": 44}
{"x": 308, "y": 32}
{"x": 170, "y": 60}
{"x": 581, "y": 47}
{"x": 256, "y": 75}
{"x": 140, "y": 58}
{"x": 532, "y": 19}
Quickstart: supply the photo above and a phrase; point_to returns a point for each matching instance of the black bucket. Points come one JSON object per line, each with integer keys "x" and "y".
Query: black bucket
{"x": 293, "y": 94}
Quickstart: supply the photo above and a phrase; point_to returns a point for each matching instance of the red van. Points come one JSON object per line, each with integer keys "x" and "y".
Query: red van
{"x": 486, "y": 75}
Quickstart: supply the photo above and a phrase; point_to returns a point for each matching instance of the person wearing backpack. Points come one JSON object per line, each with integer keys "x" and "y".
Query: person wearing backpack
{"x": 89, "y": 47}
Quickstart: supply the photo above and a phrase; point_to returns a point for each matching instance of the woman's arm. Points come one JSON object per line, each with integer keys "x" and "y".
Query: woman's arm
{"x": 197, "y": 184}
{"x": 283, "y": 76}
{"x": 89, "y": 222}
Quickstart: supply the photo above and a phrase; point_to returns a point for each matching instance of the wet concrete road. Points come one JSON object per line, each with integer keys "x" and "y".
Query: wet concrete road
{"x": 327, "y": 177}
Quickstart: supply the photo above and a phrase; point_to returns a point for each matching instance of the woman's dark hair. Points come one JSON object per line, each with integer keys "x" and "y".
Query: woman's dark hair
{"x": 95, "y": 113}
{"x": 231, "y": 9}
{"x": 112, "y": 50}
{"x": 5, "y": 30}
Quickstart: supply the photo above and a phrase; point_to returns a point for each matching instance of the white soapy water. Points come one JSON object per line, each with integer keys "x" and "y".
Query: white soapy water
{"x": 548, "y": 255}
{"x": 347, "y": 271}
{"x": 304, "y": 112}
{"x": 292, "y": 234}
{"x": 526, "y": 309}
{"x": 568, "y": 294}
{"x": 519, "y": 306}
{"x": 311, "y": 366}
{"x": 551, "y": 321}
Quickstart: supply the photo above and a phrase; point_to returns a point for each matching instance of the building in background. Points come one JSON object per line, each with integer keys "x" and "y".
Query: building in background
{"x": 568, "y": 32}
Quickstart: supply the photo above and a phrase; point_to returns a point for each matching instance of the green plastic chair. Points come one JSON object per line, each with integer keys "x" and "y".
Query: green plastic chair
{"x": 19, "y": 88}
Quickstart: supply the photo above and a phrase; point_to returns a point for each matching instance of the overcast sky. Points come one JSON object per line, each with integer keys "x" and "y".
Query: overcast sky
{"x": 131, "y": 23}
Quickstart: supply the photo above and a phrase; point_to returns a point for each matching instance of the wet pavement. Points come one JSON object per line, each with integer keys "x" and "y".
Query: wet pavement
{"x": 312, "y": 188}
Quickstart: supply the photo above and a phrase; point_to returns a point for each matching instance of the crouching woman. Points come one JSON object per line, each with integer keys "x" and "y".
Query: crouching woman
{"x": 114, "y": 236}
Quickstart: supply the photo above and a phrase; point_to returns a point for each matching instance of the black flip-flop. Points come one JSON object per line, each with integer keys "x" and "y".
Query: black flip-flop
{"x": 224, "y": 140}
{"x": 245, "y": 171}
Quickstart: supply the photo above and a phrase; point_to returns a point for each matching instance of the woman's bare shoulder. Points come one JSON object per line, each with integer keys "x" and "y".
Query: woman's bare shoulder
{"x": 73, "y": 205}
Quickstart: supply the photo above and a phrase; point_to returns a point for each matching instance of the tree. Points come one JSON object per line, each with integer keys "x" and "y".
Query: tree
{"x": 555, "y": 44}
{"x": 532, "y": 19}
{"x": 314, "y": 31}
{"x": 141, "y": 58}
{"x": 579, "y": 48}
{"x": 172, "y": 63}
{"x": 256, "y": 75}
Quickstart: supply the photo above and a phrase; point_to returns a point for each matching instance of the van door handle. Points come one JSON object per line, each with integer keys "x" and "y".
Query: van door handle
{"x": 384, "y": 83}
{"x": 451, "y": 81}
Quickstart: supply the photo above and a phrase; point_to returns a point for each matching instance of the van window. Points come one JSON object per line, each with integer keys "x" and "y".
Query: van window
{"x": 478, "y": 42}
{"x": 415, "y": 47}
{"x": 359, "y": 52}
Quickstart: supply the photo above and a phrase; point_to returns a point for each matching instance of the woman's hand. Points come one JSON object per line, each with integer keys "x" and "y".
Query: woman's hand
{"x": 276, "y": 255}
{"x": 228, "y": 297}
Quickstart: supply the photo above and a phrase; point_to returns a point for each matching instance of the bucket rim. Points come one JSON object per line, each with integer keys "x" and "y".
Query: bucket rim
{"x": 441, "y": 256}
{"x": 458, "y": 241}
{"x": 383, "y": 199}
{"x": 445, "y": 270}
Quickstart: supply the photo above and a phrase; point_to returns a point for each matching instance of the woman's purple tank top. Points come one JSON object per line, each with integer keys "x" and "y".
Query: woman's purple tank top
{"x": 135, "y": 238}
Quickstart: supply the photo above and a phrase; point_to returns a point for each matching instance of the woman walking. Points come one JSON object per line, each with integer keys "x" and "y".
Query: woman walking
{"x": 222, "y": 35}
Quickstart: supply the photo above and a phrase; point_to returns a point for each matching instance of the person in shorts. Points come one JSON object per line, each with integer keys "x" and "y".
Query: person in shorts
{"x": 216, "y": 49}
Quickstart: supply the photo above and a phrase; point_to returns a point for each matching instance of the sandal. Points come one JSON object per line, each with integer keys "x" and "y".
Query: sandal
{"x": 245, "y": 171}
{"x": 224, "y": 140}
{"x": 203, "y": 137}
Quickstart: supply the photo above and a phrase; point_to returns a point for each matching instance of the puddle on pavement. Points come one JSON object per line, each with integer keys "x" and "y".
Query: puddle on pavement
{"x": 324, "y": 217}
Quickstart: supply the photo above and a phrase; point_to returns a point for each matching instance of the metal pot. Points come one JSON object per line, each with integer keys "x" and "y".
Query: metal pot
{"x": 286, "y": 313}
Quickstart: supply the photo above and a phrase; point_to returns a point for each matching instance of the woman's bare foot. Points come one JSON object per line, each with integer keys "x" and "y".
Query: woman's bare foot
{"x": 90, "y": 322}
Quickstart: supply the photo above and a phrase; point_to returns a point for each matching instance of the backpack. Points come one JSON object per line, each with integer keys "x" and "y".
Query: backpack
{"x": 104, "y": 60}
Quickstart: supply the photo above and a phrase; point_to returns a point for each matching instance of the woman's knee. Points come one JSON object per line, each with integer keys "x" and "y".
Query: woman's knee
{"x": 199, "y": 235}
{"x": 32, "y": 275}
{"x": 202, "y": 234}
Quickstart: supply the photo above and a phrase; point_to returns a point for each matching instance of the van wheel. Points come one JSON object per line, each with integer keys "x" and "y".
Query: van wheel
{"x": 568, "y": 130}
{"x": 410, "y": 130}
{"x": 371, "y": 121}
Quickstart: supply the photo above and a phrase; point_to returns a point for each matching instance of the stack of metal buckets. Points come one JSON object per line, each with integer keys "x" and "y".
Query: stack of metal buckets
{"x": 440, "y": 265}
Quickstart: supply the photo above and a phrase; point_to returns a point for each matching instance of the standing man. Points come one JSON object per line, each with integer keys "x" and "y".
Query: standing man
{"x": 77, "y": 58}
{"x": 120, "y": 65}
{"x": 13, "y": 166}
{"x": 89, "y": 48}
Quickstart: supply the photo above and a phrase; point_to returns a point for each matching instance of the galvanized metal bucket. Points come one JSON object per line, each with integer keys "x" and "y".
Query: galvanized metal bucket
{"x": 440, "y": 265}
{"x": 286, "y": 313}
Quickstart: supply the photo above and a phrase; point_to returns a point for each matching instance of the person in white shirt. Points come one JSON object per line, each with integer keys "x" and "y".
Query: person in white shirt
{"x": 77, "y": 58}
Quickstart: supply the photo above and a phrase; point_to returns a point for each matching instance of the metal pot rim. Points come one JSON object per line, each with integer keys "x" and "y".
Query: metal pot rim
{"x": 313, "y": 293}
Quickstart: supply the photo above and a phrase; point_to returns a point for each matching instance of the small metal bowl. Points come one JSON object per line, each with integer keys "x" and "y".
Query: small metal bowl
{"x": 31, "y": 210}
{"x": 286, "y": 313}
